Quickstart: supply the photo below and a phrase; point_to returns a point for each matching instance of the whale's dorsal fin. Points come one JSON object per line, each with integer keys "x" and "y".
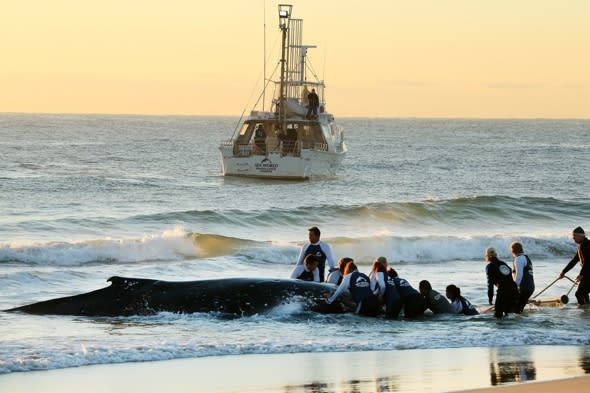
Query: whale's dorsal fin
{"x": 128, "y": 282}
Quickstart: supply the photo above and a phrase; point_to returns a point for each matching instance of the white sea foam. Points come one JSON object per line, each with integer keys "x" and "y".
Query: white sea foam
{"x": 176, "y": 244}
{"x": 173, "y": 244}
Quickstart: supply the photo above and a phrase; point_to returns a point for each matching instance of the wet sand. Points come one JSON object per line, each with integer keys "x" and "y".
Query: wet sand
{"x": 431, "y": 370}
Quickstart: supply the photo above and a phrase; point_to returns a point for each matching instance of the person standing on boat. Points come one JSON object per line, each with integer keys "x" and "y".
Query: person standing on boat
{"x": 582, "y": 256}
{"x": 500, "y": 275}
{"x": 320, "y": 249}
{"x": 313, "y": 104}
{"x": 523, "y": 275}
{"x": 260, "y": 139}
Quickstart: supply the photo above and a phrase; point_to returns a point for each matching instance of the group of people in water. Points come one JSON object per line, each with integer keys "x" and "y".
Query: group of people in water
{"x": 383, "y": 290}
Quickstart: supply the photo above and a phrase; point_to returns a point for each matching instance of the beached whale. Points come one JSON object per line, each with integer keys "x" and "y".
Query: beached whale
{"x": 237, "y": 296}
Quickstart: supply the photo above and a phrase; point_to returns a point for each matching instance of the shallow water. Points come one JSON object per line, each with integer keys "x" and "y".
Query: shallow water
{"x": 83, "y": 198}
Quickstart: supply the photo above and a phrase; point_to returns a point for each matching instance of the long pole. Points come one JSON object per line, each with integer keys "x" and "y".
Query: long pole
{"x": 264, "y": 50}
{"x": 282, "y": 100}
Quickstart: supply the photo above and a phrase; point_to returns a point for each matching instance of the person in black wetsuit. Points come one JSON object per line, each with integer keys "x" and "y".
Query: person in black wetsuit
{"x": 500, "y": 275}
{"x": 360, "y": 290}
{"x": 582, "y": 256}
{"x": 433, "y": 300}
{"x": 412, "y": 300}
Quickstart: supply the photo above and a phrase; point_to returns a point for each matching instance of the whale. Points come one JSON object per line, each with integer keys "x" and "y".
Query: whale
{"x": 235, "y": 296}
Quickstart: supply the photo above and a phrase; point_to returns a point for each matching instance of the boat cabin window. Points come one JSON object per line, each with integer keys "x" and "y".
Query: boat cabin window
{"x": 312, "y": 134}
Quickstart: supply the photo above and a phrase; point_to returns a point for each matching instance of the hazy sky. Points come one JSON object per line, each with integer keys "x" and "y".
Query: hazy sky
{"x": 416, "y": 58}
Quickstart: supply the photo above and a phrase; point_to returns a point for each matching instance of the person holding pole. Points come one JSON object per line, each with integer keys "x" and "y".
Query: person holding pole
{"x": 582, "y": 256}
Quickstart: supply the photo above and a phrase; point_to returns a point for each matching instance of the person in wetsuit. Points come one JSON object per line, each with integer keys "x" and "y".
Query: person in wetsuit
{"x": 582, "y": 256}
{"x": 360, "y": 290}
{"x": 335, "y": 275}
{"x": 310, "y": 271}
{"x": 320, "y": 249}
{"x": 459, "y": 304}
{"x": 412, "y": 301}
{"x": 377, "y": 277}
{"x": 433, "y": 300}
{"x": 523, "y": 275}
{"x": 499, "y": 275}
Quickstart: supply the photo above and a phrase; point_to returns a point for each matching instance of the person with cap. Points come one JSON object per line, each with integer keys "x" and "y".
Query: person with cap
{"x": 523, "y": 275}
{"x": 582, "y": 256}
{"x": 320, "y": 249}
{"x": 499, "y": 275}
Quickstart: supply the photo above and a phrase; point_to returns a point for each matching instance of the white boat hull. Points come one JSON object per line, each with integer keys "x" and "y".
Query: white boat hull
{"x": 275, "y": 166}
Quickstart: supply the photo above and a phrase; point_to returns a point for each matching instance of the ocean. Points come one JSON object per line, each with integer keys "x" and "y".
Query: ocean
{"x": 86, "y": 197}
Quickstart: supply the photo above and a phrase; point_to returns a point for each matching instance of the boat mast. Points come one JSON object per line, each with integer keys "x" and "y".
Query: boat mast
{"x": 284, "y": 18}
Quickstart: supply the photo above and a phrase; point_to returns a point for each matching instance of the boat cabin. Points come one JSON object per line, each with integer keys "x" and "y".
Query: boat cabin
{"x": 261, "y": 137}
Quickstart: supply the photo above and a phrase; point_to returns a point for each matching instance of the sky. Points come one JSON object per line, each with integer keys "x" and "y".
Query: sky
{"x": 379, "y": 58}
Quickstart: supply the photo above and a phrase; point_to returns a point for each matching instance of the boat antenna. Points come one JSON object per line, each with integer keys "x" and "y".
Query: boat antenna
{"x": 264, "y": 50}
{"x": 324, "y": 66}
{"x": 284, "y": 19}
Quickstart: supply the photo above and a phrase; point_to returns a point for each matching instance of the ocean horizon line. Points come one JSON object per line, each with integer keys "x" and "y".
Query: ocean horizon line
{"x": 351, "y": 117}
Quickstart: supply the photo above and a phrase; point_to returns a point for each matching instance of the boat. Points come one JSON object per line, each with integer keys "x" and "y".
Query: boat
{"x": 287, "y": 141}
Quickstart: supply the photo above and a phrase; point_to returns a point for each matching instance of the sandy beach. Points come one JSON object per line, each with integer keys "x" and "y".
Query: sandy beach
{"x": 434, "y": 370}
{"x": 573, "y": 385}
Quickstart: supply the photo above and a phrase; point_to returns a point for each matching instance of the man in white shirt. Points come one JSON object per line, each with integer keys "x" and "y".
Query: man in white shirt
{"x": 320, "y": 249}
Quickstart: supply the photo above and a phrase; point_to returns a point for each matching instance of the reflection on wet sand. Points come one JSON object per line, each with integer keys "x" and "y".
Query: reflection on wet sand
{"x": 584, "y": 359}
{"x": 507, "y": 372}
{"x": 381, "y": 384}
{"x": 507, "y": 365}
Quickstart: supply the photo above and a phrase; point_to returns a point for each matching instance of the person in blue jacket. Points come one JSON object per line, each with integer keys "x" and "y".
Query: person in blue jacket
{"x": 412, "y": 300}
{"x": 459, "y": 303}
{"x": 359, "y": 286}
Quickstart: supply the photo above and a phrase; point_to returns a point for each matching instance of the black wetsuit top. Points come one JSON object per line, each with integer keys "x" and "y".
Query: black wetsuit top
{"x": 582, "y": 256}
{"x": 500, "y": 274}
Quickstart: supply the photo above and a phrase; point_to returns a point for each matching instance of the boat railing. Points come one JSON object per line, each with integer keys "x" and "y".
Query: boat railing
{"x": 320, "y": 146}
{"x": 290, "y": 148}
{"x": 243, "y": 150}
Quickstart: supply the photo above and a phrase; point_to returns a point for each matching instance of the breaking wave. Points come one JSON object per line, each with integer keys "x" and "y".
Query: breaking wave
{"x": 178, "y": 245}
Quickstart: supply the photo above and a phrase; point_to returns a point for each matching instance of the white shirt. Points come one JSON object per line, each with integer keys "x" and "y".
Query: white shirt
{"x": 457, "y": 306}
{"x": 299, "y": 265}
{"x": 343, "y": 287}
{"x": 519, "y": 264}
{"x": 377, "y": 283}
